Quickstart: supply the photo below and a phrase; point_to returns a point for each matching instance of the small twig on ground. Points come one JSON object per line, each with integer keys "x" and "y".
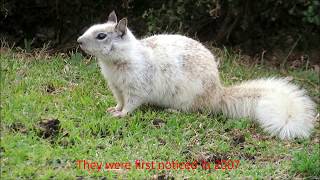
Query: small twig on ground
{"x": 290, "y": 52}
{"x": 262, "y": 57}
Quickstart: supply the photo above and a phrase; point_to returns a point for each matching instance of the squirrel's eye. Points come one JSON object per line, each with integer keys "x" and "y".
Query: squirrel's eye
{"x": 101, "y": 36}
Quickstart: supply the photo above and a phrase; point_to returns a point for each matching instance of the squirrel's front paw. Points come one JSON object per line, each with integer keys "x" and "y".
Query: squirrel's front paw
{"x": 119, "y": 114}
{"x": 113, "y": 109}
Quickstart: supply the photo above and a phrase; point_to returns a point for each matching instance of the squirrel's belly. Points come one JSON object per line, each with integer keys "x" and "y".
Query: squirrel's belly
{"x": 176, "y": 97}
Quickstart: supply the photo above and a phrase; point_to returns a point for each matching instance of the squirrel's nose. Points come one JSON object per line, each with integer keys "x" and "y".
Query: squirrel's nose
{"x": 80, "y": 41}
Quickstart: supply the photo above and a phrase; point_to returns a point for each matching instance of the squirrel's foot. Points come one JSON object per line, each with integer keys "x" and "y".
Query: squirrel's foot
{"x": 119, "y": 114}
{"x": 113, "y": 109}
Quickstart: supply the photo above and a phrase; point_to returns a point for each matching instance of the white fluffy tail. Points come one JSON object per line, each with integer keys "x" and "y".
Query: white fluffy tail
{"x": 280, "y": 107}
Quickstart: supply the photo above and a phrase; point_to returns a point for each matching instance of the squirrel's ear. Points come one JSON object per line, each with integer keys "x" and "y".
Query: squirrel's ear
{"x": 122, "y": 26}
{"x": 112, "y": 17}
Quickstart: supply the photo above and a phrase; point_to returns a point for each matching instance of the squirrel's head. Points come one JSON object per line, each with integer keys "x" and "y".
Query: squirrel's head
{"x": 103, "y": 40}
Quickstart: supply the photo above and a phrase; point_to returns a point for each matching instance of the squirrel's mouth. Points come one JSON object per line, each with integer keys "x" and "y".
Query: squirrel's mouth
{"x": 84, "y": 49}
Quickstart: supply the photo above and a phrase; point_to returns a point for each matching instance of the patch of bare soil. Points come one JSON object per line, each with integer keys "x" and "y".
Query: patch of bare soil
{"x": 158, "y": 123}
{"x": 48, "y": 128}
{"x": 162, "y": 177}
{"x": 18, "y": 127}
{"x": 50, "y": 88}
{"x": 238, "y": 139}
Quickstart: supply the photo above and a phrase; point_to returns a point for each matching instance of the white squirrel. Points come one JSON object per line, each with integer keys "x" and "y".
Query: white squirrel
{"x": 178, "y": 72}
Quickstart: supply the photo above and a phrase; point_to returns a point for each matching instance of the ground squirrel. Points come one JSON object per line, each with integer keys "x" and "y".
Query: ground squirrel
{"x": 178, "y": 72}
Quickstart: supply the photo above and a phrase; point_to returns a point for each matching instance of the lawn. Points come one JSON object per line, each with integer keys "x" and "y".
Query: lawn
{"x": 54, "y": 125}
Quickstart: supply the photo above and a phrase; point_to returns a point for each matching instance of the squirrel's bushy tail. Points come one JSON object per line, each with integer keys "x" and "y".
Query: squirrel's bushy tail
{"x": 280, "y": 107}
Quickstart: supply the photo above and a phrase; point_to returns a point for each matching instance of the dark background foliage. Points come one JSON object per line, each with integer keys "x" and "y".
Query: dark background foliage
{"x": 251, "y": 25}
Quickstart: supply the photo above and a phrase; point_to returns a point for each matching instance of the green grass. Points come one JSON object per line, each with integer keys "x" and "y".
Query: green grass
{"x": 73, "y": 91}
{"x": 305, "y": 161}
